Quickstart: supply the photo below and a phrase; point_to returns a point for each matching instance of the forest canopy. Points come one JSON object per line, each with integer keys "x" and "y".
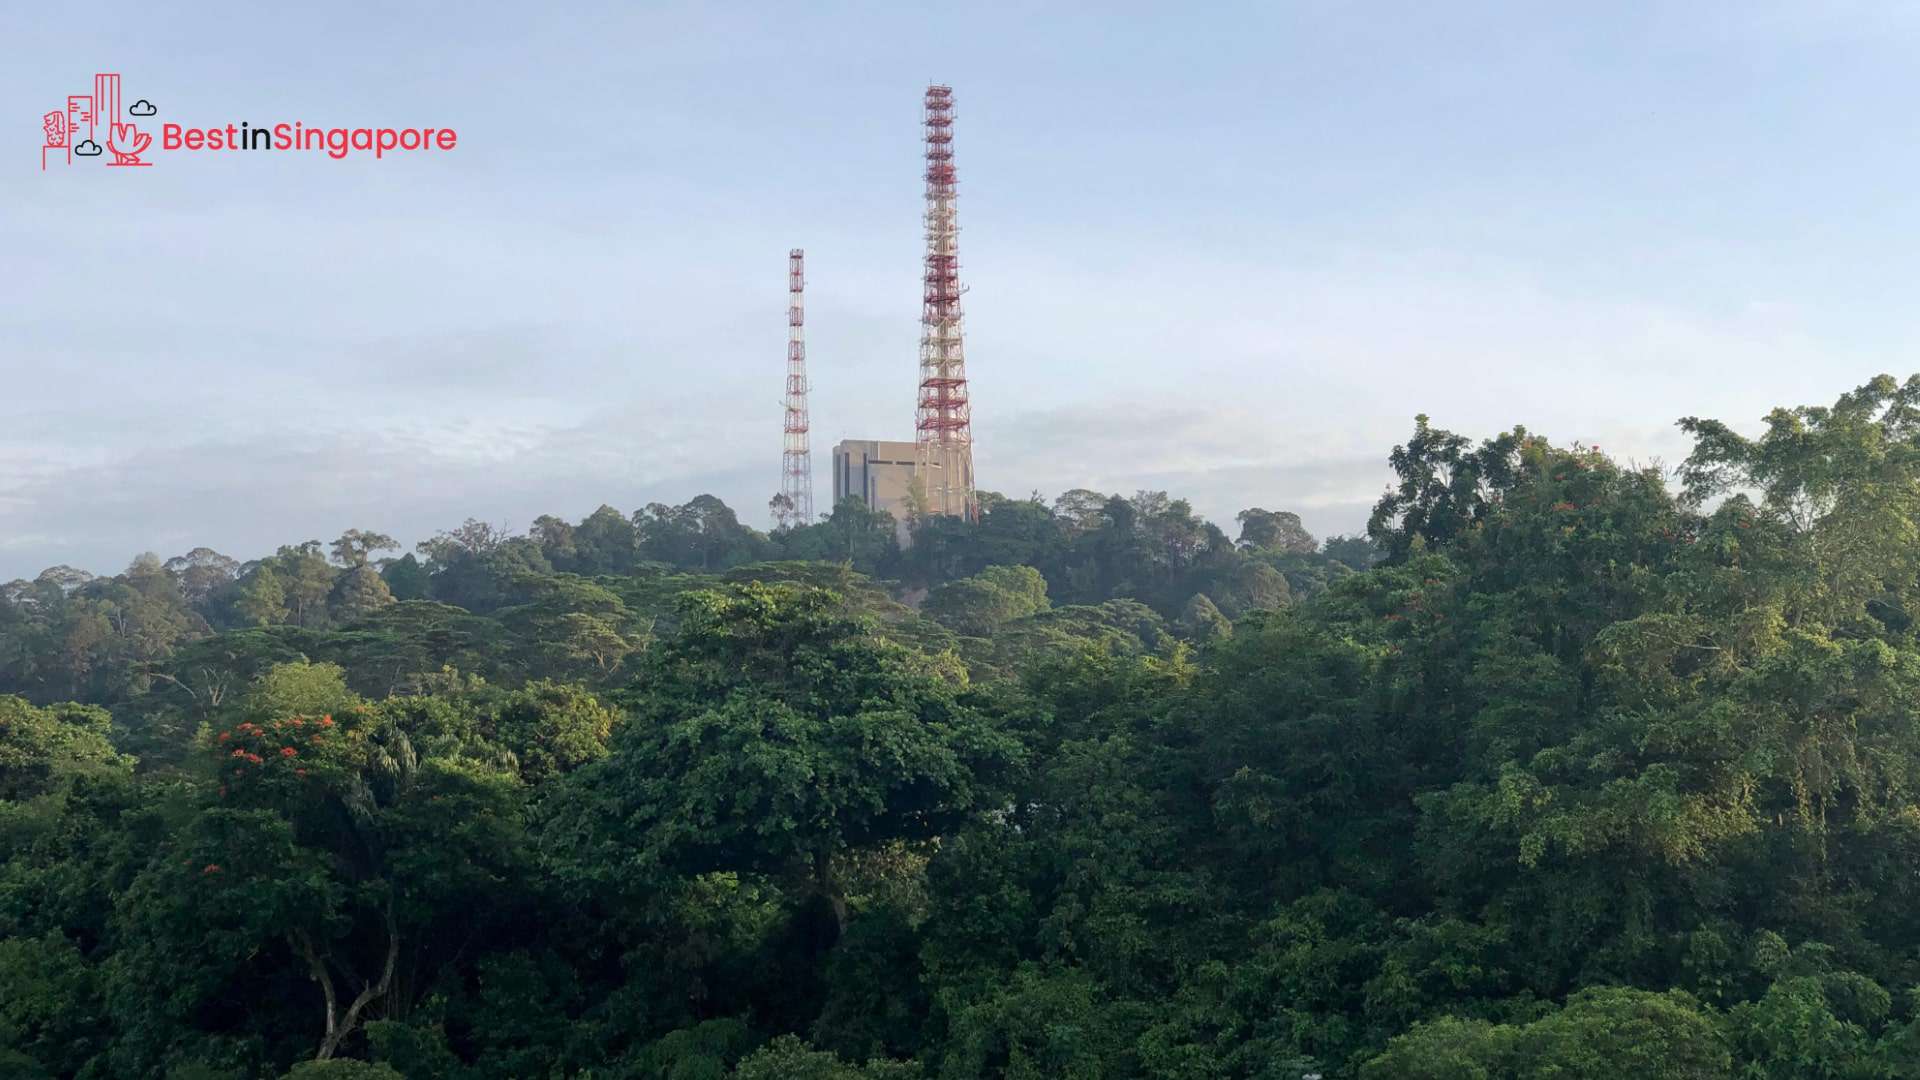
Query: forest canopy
{"x": 1567, "y": 768}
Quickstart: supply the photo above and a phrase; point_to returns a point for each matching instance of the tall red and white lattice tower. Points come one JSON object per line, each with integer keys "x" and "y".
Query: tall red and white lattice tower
{"x": 943, "y": 422}
{"x": 794, "y": 505}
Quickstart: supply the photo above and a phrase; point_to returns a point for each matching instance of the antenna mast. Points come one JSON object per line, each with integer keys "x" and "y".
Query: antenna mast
{"x": 793, "y": 507}
{"x": 943, "y": 421}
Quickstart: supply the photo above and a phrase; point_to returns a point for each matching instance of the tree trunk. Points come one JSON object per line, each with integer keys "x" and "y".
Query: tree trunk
{"x": 339, "y": 1026}
{"x": 823, "y": 881}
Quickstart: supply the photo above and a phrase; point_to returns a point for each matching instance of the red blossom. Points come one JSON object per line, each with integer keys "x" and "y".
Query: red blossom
{"x": 299, "y": 772}
{"x": 225, "y": 735}
{"x": 211, "y": 868}
{"x": 237, "y": 752}
{"x": 326, "y": 721}
{"x": 288, "y": 751}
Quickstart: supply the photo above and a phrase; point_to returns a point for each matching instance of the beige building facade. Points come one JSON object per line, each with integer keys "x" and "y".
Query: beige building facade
{"x": 878, "y": 471}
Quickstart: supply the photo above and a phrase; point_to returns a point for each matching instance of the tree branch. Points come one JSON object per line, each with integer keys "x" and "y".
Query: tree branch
{"x": 152, "y": 674}
{"x": 367, "y": 996}
{"x": 304, "y": 945}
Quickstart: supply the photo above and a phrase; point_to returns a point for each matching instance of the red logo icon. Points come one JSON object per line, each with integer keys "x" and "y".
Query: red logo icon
{"x": 93, "y": 119}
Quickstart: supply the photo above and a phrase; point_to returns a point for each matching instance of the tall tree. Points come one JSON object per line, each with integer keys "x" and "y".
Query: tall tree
{"x": 262, "y": 599}
{"x": 356, "y": 546}
{"x": 359, "y": 592}
{"x": 755, "y": 745}
{"x": 1275, "y": 530}
{"x": 1445, "y": 487}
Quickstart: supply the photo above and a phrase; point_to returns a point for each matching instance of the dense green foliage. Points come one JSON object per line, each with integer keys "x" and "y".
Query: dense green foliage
{"x": 1564, "y": 771}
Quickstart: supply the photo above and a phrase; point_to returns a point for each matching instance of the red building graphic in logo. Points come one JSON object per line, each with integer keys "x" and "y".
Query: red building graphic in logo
{"x": 91, "y": 120}
{"x": 58, "y": 138}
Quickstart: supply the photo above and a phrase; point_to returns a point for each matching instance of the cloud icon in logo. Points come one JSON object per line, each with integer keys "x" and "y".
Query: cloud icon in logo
{"x": 87, "y": 148}
{"x": 143, "y": 107}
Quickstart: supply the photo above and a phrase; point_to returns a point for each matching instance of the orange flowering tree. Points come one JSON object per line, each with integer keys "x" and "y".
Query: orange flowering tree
{"x": 283, "y": 760}
{"x": 330, "y": 846}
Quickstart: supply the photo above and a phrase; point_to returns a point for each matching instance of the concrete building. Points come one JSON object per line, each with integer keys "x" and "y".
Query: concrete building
{"x": 880, "y": 472}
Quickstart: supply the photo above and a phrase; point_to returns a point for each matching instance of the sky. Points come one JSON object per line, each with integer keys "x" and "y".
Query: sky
{"x": 1228, "y": 251}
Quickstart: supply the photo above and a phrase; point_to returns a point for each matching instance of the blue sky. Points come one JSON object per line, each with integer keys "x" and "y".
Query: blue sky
{"x": 1228, "y": 251}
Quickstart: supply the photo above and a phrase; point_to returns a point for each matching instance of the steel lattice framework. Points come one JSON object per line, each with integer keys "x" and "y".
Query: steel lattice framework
{"x": 794, "y": 505}
{"x": 943, "y": 422}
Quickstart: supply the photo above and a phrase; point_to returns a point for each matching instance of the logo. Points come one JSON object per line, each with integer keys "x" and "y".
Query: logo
{"x": 90, "y": 120}
{"x": 91, "y": 126}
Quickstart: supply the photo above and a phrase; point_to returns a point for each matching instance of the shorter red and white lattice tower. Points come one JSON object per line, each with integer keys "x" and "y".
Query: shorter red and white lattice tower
{"x": 793, "y": 507}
